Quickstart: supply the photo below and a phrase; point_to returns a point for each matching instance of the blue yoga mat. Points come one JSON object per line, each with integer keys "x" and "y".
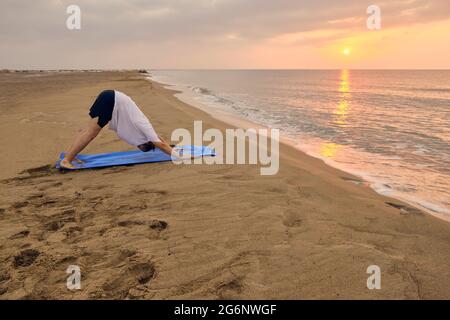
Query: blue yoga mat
{"x": 132, "y": 157}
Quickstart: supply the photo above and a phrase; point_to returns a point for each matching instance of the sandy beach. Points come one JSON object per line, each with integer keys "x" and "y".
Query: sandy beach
{"x": 161, "y": 231}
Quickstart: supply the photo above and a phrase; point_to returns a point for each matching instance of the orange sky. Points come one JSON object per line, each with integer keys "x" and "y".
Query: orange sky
{"x": 225, "y": 34}
{"x": 418, "y": 46}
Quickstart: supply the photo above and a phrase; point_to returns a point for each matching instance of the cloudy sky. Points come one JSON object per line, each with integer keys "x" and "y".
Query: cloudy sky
{"x": 224, "y": 34}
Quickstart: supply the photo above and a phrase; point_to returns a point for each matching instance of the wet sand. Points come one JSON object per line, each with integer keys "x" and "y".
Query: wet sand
{"x": 160, "y": 231}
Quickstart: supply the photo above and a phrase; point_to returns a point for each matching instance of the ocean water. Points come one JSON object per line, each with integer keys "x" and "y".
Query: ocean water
{"x": 391, "y": 128}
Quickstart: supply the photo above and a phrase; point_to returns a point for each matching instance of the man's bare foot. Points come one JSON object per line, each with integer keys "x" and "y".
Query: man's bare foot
{"x": 66, "y": 164}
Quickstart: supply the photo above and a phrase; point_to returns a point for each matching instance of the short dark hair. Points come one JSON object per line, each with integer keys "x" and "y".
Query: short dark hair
{"x": 146, "y": 147}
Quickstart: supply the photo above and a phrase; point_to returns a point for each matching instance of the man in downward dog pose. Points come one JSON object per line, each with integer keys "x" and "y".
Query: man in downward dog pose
{"x": 125, "y": 118}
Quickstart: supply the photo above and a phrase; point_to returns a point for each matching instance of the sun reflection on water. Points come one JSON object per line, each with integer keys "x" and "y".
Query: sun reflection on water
{"x": 329, "y": 149}
{"x": 340, "y": 114}
{"x": 343, "y": 107}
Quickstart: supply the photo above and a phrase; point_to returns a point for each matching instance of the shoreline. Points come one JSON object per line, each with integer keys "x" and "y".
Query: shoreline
{"x": 235, "y": 121}
{"x": 160, "y": 231}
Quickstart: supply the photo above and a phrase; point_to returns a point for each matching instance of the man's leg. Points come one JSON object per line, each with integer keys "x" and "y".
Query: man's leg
{"x": 80, "y": 142}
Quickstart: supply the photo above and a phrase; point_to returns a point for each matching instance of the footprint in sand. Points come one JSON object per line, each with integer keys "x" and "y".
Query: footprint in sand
{"x": 150, "y": 191}
{"x": 73, "y": 231}
{"x": 50, "y": 185}
{"x": 229, "y": 289}
{"x": 4, "y": 278}
{"x": 115, "y": 169}
{"x": 19, "y": 204}
{"x": 292, "y": 222}
{"x": 144, "y": 272}
{"x": 353, "y": 180}
{"x": 128, "y": 223}
{"x": 35, "y": 196}
{"x": 46, "y": 202}
{"x": 57, "y": 221}
{"x": 404, "y": 210}
{"x": 157, "y": 225}
{"x": 130, "y": 278}
{"x": 96, "y": 187}
{"x": 39, "y": 171}
{"x": 21, "y": 234}
{"x": 26, "y": 258}
{"x": 26, "y": 176}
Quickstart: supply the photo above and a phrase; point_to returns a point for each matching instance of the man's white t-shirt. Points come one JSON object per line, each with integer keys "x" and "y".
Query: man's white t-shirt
{"x": 130, "y": 123}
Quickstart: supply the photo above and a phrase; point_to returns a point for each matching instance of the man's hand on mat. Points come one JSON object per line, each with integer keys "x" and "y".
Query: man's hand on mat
{"x": 178, "y": 153}
{"x": 187, "y": 156}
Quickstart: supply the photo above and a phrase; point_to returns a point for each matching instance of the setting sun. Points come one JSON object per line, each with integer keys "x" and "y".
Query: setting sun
{"x": 346, "y": 52}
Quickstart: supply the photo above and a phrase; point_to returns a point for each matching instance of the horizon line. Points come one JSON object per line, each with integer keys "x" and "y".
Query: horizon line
{"x": 224, "y": 69}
